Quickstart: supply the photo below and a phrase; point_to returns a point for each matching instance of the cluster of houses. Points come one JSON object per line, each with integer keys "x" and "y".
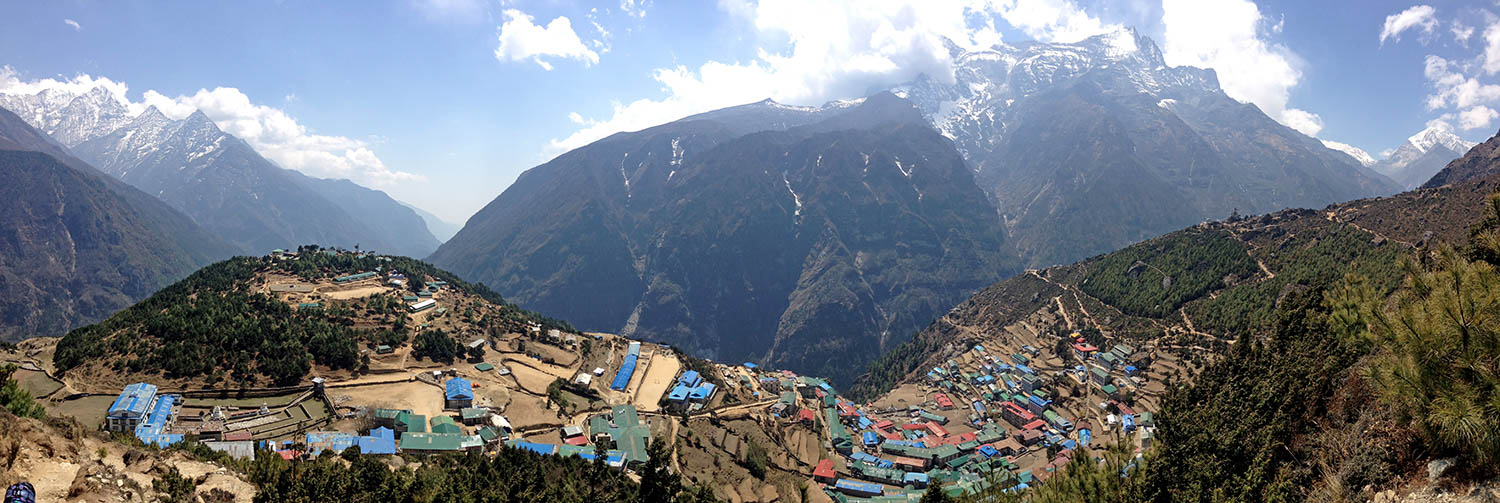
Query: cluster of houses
{"x": 140, "y": 410}
{"x": 1008, "y": 405}
{"x": 691, "y": 392}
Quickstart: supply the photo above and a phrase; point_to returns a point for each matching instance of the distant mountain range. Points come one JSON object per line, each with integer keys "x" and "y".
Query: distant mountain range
{"x": 805, "y": 238}
{"x": 1088, "y": 147}
{"x": 219, "y": 180}
{"x": 78, "y": 244}
{"x": 441, "y": 229}
{"x": 1422, "y": 156}
{"x": 1416, "y": 160}
{"x": 812, "y": 238}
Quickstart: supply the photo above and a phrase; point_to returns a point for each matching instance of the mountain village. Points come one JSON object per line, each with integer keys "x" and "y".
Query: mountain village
{"x": 1007, "y": 412}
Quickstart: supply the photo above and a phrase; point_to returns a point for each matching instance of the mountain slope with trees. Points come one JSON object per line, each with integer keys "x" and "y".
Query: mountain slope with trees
{"x": 81, "y": 245}
{"x": 220, "y": 325}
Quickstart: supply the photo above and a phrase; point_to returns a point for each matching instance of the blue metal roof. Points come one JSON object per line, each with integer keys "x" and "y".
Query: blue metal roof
{"x": 690, "y": 378}
{"x": 627, "y": 368}
{"x": 535, "y": 447}
{"x": 134, "y": 399}
{"x": 380, "y": 441}
{"x": 702, "y": 392}
{"x": 336, "y": 441}
{"x": 864, "y": 487}
{"x": 155, "y": 421}
{"x": 679, "y": 393}
{"x": 458, "y": 388}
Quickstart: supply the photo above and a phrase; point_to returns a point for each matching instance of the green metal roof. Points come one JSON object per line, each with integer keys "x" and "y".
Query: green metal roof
{"x": 473, "y": 413}
{"x": 484, "y": 367}
{"x": 432, "y": 441}
{"x": 389, "y": 413}
{"x": 489, "y": 434}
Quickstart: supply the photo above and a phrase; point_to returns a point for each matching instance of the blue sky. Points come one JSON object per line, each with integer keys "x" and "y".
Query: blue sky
{"x": 442, "y": 103}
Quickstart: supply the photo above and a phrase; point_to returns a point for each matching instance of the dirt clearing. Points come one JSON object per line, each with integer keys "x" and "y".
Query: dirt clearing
{"x": 659, "y": 376}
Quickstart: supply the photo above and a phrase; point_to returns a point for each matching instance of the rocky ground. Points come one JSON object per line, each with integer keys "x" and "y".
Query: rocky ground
{"x": 68, "y": 463}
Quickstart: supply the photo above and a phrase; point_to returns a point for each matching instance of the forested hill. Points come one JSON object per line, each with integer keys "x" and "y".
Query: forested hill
{"x": 277, "y": 320}
{"x": 1206, "y": 285}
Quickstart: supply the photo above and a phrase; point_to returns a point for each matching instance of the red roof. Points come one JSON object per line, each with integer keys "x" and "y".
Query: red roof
{"x": 893, "y": 436}
{"x": 1125, "y": 409}
{"x": 238, "y": 435}
{"x": 967, "y": 437}
{"x": 883, "y": 424}
{"x": 1018, "y": 411}
{"x": 806, "y": 415}
{"x": 1085, "y": 347}
{"x": 845, "y": 409}
{"x": 913, "y": 426}
{"x": 824, "y": 469}
{"x": 578, "y": 440}
{"x": 905, "y": 461}
{"x": 1035, "y": 425}
{"x": 936, "y": 429}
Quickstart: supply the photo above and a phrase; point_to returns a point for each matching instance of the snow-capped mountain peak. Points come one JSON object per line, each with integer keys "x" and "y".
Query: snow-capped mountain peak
{"x": 70, "y": 118}
{"x": 1426, "y": 139}
{"x": 1358, "y": 154}
{"x": 1422, "y": 155}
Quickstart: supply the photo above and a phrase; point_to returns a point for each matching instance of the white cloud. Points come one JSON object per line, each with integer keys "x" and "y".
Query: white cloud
{"x": 1225, "y": 35}
{"x": 1052, "y": 20}
{"x": 521, "y": 39}
{"x": 1419, "y": 16}
{"x": 1452, "y": 88}
{"x": 73, "y": 24}
{"x": 1476, "y": 117}
{"x": 835, "y": 49}
{"x": 280, "y": 138}
{"x": 270, "y": 131}
{"x": 1492, "y": 48}
{"x": 1461, "y": 33}
{"x": 635, "y": 8}
{"x": 11, "y": 83}
{"x": 1306, "y": 122}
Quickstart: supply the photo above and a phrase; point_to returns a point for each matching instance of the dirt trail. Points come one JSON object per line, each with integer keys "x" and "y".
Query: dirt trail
{"x": 1064, "y": 311}
{"x": 1085, "y": 311}
{"x": 1264, "y": 269}
{"x": 1333, "y": 217}
{"x": 1188, "y": 323}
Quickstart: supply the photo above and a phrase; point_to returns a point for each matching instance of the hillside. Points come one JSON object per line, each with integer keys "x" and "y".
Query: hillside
{"x": 1209, "y": 284}
{"x": 1478, "y": 162}
{"x": 1270, "y": 347}
{"x": 79, "y": 244}
{"x": 839, "y": 235}
{"x": 249, "y": 321}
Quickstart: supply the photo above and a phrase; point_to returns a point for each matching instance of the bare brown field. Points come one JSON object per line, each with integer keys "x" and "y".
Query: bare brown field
{"x": 656, "y": 381}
